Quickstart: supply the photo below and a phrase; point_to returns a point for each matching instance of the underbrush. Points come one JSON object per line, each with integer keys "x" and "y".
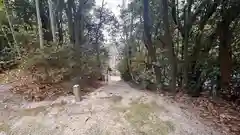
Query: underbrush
{"x": 137, "y": 72}
{"x": 52, "y": 71}
{"x": 54, "y": 64}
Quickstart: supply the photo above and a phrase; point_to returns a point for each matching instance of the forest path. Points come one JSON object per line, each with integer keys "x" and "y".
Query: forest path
{"x": 114, "y": 109}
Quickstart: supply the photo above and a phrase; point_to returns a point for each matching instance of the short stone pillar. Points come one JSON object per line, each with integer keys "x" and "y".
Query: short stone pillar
{"x": 106, "y": 77}
{"x": 76, "y": 92}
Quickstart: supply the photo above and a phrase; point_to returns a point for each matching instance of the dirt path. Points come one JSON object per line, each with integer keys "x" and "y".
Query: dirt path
{"x": 115, "y": 109}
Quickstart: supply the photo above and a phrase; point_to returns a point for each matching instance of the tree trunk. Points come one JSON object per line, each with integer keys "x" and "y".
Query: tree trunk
{"x": 187, "y": 28}
{"x": 97, "y": 36}
{"x": 130, "y": 43}
{"x": 5, "y": 3}
{"x": 225, "y": 55}
{"x": 52, "y": 20}
{"x": 46, "y": 23}
{"x": 185, "y": 56}
{"x": 169, "y": 45}
{"x": 69, "y": 13}
{"x": 60, "y": 27}
{"x": 225, "y": 38}
{"x": 78, "y": 24}
{"x": 76, "y": 32}
{"x": 148, "y": 42}
{"x": 39, "y": 24}
{"x": 59, "y": 18}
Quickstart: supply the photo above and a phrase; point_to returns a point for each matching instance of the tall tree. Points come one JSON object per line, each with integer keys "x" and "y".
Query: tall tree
{"x": 40, "y": 32}
{"x": 99, "y": 25}
{"x": 169, "y": 44}
{"x": 60, "y": 4}
{"x": 70, "y": 9}
{"x": 229, "y": 12}
{"x": 50, "y": 5}
{"x": 148, "y": 40}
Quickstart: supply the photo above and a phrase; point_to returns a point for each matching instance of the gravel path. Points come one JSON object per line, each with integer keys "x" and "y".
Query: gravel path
{"x": 115, "y": 109}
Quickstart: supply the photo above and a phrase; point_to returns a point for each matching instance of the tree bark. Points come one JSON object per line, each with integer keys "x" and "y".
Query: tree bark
{"x": 130, "y": 49}
{"x": 69, "y": 12}
{"x": 225, "y": 54}
{"x": 59, "y": 18}
{"x": 148, "y": 41}
{"x": 97, "y": 35}
{"x": 60, "y": 26}
{"x": 79, "y": 24}
{"x": 46, "y": 24}
{"x": 225, "y": 37}
{"x": 169, "y": 45}
{"x": 39, "y": 24}
{"x": 52, "y": 20}
{"x": 76, "y": 32}
{"x": 187, "y": 28}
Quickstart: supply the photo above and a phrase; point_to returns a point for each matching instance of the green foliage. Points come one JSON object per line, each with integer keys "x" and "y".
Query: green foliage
{"x": 138, "y": 71}
{"x": 57, "y": 63}
{"x": 26, "y": 39}
{"x": 7, "y": 54}
{"x": 124, "y": 69}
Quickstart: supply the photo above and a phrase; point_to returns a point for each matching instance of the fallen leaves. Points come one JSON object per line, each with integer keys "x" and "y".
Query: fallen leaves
{"x": 33, "y": 90}
{"x": 222, "y": 114}
{"x": 38, "y": 92}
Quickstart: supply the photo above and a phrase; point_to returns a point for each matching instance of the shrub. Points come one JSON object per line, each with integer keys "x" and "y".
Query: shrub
{"x": 138, "y": 71}
{"x": 53, "y": 64}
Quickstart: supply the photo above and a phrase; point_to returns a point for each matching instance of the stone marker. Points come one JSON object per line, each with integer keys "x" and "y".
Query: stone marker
{"x": 76, "y": 92}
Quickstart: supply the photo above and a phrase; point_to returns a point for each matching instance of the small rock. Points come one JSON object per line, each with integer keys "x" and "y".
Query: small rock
{"x": 63, "y": 102}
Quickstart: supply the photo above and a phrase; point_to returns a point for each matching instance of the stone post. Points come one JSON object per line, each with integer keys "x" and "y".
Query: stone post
{"x": 76, "y": 92}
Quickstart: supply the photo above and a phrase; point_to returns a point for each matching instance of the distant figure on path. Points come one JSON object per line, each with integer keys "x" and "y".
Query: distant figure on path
{"x": 109, "y": 70}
